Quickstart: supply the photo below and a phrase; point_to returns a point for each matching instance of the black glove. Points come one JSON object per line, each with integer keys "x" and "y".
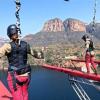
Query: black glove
{"x": 39, "y": 54}
{"x": 42, "y": 55}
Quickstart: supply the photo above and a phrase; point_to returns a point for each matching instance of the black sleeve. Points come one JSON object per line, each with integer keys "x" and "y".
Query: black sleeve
{"x": 28, "y": 49}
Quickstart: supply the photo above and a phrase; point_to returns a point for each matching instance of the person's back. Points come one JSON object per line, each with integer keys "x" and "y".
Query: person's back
{"x": 89, "y": 55}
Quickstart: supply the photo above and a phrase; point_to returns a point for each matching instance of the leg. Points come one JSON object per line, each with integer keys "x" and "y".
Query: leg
{"x": 25, "y": 91}
{"x": 87, "y": 60}
{"x": 93, "y": 64}
{"x": 21, "y": 93}
{"x": 16, "y": 94}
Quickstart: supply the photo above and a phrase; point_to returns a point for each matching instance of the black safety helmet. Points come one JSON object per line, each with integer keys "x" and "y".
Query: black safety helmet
{"x": 12, "y": 29}
{"x": 84, "y": 37}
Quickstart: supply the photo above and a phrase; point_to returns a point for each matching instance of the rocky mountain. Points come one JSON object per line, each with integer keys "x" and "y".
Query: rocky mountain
{"x": 56, "y": 31}
{"x": 51, "y": 38}
{"x": 53, "y": 25}
{"x": 57, "y": 25}
{"x": 74, "y": 25}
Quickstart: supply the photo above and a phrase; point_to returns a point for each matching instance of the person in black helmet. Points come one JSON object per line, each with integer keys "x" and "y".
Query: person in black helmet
{"x": 18, "y": 70}
{"x": 89, "y": 53}
{"x": 11, "y": 30}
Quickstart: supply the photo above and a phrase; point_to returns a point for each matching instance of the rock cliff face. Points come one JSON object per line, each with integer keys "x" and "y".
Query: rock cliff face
{"x": 56, "y": 31}
{"x": 69, "y": 25}
{"x": 53, "y": 25}
{"x": 72, "y": 25}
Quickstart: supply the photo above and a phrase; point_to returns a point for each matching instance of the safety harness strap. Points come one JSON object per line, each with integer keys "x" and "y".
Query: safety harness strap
{"x": 13, "y": 80}
{"x": 13, "y": 71}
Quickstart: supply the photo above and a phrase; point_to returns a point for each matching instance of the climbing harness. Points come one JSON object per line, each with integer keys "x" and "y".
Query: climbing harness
{"x": 19, "y": 71}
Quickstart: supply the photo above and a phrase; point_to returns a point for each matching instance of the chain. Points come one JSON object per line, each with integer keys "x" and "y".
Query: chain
{"x": 94, "y": 17}
{"x": 18, "y": 5}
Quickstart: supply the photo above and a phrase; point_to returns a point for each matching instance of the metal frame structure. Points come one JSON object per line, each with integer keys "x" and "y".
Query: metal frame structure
{"x": 73, "y": 76}
{"x": 81, "y": 93}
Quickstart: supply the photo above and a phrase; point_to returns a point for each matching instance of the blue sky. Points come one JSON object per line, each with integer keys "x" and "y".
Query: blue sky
{"x": 34, "y": 13}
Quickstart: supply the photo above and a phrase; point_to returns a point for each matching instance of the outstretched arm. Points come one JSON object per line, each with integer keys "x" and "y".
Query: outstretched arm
{"x": 36, "y": 53}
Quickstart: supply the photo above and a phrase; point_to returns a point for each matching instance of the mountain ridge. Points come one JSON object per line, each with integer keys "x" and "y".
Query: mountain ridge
{"x": 70, "y": 33}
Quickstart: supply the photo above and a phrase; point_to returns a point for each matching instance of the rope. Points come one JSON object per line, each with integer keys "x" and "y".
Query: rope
{"x": 94, "y": 16}
{"x": 18, "y": 5}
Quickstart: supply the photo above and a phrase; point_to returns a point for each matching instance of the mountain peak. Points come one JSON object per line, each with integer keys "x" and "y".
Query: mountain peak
{"x": 74, "y": 25}
{"x": 53, "y": 25}
{"x": 70, "y": 24}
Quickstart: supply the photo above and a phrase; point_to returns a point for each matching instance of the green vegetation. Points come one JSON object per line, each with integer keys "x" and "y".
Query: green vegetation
{"x": 55, "y": 55}
{"x": 98, "y": 56}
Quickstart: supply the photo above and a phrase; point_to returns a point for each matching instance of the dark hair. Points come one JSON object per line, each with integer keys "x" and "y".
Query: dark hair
{"x": 84, "y": 37}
